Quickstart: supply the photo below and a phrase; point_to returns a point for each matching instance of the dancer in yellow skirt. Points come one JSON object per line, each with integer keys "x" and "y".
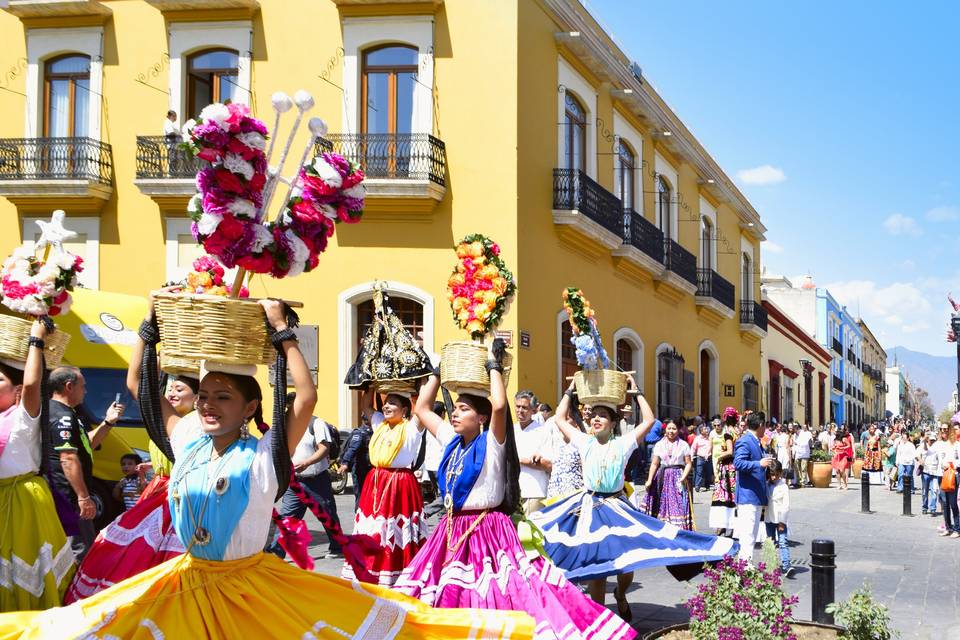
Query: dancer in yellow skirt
{"x": 36, "y": 562}
{"x": 222, "y": 490}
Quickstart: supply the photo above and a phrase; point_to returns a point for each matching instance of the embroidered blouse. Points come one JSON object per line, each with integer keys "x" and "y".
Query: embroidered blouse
{"x": 488, "y": 490}
{"x": 21, "y": 454}
{"x": 671, "y": 453}
{"x": 603, "y": 464}
{"x": 410, "y": 447}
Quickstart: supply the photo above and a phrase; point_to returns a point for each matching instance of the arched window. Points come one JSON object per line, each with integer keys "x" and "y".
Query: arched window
{"x": 626, "y": 170}
{"x": 575, "y": 134}
{"x": 706, "y": 243}
{"x": 624, "y": 355}
{"x": 211, "y": 77}
{"x": 664, "y": 199}
{"x": 409, "y": 311}
{"x": 568, "y": 354}
{"x": 669, "y": 384}
{"x": 747, "y": 279}
{"x": 66, "y": 86}
{"x": 751, "y": 394}
{"x": 388, "y": 77}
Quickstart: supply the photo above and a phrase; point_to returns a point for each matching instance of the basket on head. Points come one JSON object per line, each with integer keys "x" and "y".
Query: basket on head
{"x": 463, "y": 367}
{"x": 403, "y": 387}
{"x": 227, "y": 330}
{"x": 179, "y": 366}
{"x": 15, "y": 341}
{"x": 601, "y": 386}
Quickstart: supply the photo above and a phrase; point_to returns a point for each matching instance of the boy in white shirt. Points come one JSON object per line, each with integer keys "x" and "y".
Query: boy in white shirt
{"x": 777, "y": 514}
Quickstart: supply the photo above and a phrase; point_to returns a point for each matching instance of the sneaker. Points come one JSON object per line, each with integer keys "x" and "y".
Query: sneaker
{"x": 332, "y": 555}
{"x": 954, "y": 534}
{"x": 789, "y": 572}
{"x": 924, "y": 512}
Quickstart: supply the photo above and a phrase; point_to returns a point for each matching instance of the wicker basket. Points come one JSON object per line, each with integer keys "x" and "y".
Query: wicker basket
{"x": 463, "y": 367}
{"x": 403, "y": 387}
{"x": 15, "y": 336}
{"x": 601, "y": 386}
{"x": 227, "y": 330}
{"x": 178, "y": 366}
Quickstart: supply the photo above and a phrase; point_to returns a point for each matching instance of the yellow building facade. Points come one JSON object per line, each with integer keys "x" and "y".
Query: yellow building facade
{"x": 874, "y": 366}
{"x": 519, "y": 119}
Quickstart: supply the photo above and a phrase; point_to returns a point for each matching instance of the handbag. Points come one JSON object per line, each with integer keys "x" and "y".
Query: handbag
{"x": 949, "y": 480}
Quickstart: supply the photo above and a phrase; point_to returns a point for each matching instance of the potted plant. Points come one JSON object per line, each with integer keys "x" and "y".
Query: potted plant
{"x": 863, "y": 618}
{"x": 741, "y": 602}
{"x": 857, "y": 461}
{"x": 822, "y": 468}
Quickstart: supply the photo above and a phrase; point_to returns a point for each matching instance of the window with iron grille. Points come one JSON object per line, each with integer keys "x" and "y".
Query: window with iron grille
{"x": 751, "y": 394}
{"x": 669, "y": 385}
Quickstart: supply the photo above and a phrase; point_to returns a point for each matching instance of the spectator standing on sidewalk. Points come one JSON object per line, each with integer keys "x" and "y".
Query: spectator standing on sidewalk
{"x": 702, "y": 460}
{"x": 801, "y": 457}
{"x": 947, "y": 459}
{"x": 906, "y": 458}
{"x": 356, "y": 457}
{"x": 930, "y": 473}
{"x": 777, "y": 514}
{"x": 532, "y": 447}
{"x": 751, "y": 465}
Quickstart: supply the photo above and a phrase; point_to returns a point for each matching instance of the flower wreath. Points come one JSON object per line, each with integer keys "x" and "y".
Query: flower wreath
{"x": 586, "y": 338}
{"x": 207, "y": 278}
{"x": 480, "y": 286}
{"x": 39, "y": 287}
{"x": 227, "y": 211}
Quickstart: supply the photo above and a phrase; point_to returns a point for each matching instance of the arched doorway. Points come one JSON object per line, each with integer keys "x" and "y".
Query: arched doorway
{"x": 709, "y": 365}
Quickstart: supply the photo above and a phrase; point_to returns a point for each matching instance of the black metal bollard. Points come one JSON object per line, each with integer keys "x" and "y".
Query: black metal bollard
{"x": 907, "y": 494}
{"x": 864, "y": 492}
{"x": 822, "y": 568}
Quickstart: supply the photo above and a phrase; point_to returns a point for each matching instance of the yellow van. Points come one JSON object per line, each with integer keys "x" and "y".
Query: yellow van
{"x": 103, "y": 328}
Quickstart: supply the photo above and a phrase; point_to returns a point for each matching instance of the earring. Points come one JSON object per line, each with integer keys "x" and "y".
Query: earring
{"x": 244, "y": 431}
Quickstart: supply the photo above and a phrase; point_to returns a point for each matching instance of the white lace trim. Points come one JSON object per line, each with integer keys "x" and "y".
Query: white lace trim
{"x": 396, "y": 532}
{"x": 467, "y": 577}
{"x": 16, "y": 572}
{"x": 150, "y": 529}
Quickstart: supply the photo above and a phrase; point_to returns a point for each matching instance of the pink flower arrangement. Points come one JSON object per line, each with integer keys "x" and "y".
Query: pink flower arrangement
{"x": 480, "y": 286}
{"x": 207, "y": 278}
{"x": 227, "y": 213}
{"x": 39, "y": 288}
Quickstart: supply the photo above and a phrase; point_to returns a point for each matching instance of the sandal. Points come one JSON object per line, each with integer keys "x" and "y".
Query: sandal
{"x": 623, "y": 607}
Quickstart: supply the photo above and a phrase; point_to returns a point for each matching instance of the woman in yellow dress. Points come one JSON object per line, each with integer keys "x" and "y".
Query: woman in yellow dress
{"x": 222, "y": 490}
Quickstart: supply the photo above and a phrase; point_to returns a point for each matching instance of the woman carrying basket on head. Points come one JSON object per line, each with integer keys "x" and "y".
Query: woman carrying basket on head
{"x": 222, "y": 489}
{"x": 474, "y": 558}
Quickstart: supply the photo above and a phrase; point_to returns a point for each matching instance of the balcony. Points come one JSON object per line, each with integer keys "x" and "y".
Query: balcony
{"x": 165, "y": 172}
{"x": 837, "y": 347}
{"x": 837, "y": 384}
{"x": 590, "y": 218}
{"x": 405, "y": 173}
{"x": 681, "y": 270}
{"x": 57, "y": 8}
{"x": 192, "y": 5}
{"x": 70, "y": 173}
{"x": 753, "y": 320}
{"x": 641, "y": 253}
{"x": 715, "y": 293}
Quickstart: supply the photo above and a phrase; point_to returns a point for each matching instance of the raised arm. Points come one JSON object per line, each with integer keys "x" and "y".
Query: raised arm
{"x": 498, "y": 402}
{"x": 33, "y": 373}
{"x": 139, "y": 380}
{"x": 424, "y": 407}
{"x": 562, "y": 416}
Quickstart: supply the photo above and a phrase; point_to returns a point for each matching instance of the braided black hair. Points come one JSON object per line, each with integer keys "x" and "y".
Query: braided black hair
{"x": 148, "y": 391}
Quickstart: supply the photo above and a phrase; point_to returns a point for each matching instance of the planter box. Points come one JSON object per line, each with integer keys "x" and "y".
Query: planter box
{"x": 857, "y": 468}
{"x": 803, "y": 631}
{"x": 820, "y": 476}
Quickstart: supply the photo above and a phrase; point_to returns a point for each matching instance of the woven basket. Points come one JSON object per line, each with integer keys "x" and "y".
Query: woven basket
{"x": 463, "y": 367}
{"x": 178, "y": 366}
{"x": 15, "y": 336}
{"x": 226, "y": 330}
{"x": 396, "y": 386}
{"x": 601, "y": 386}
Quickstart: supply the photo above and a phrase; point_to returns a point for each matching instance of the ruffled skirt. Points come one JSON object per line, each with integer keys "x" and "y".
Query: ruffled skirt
{"x": 36, "y": 561}
{"x": 480, "y": 564}
{"x": 390, "y": 517}
{"x": 590, "y": 536}
{"x": 666, "y": 502}
{"x": 137, "y": 540}
{"x": 256, "y": 597}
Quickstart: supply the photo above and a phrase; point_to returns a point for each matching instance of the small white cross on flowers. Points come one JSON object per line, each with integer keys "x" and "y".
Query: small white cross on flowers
{"x": 53, "y": 233}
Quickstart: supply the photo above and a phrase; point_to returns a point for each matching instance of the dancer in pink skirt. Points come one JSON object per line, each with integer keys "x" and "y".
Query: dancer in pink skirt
{"x": 474, "y": 557}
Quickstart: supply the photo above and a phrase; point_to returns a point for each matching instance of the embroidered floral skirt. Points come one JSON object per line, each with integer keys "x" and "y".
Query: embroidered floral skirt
{"x": 484, "y": 566}
{"x": 390, "y": 517}
{"x": 723, "y": 507}
{"x": 256, "y": 597}
{"x": 137, "y": 540}
{"x": 36, "y": 561}
{"x": 666, "y": 502}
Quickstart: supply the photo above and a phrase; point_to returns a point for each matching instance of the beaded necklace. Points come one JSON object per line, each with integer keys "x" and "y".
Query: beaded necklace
{"x": 214, "y": 481}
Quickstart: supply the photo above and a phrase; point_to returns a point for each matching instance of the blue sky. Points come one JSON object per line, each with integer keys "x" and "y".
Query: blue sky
{"x": 839, "y": 121}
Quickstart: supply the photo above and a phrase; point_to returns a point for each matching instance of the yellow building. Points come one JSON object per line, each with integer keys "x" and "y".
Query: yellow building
{"x": 874, "y": 365}
{"x": 796, "y": 371}
{"x": 520, "y": 119}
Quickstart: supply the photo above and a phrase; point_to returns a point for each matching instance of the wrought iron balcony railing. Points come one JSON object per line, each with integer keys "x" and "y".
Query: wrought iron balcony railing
{"x": 399, "y": 156}
{"x": 159, "y": 157}
{"x": 680, "y": 261}
{"x": 56, "y": 159}
{"x": 573, "y": 190}
{"x": 837, "y": 347}
{"x": 713, "y": 285}
{"x": 837, "y": 383}
{"x": 643, "y": 234}
{"x": 752, "y": 312}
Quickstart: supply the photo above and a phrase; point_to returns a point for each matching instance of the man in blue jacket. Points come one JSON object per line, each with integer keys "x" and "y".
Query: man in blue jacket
{"x": 751, "y": 466}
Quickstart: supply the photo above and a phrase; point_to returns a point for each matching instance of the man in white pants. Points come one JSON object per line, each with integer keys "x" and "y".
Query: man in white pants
{"x": 751, "y": 466}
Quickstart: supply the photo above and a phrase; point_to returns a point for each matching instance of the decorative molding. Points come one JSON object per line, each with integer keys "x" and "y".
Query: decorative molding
{"x": 712, "y": 312}
{"x": 583, "y": 234}
{"x": 40, "y": 195}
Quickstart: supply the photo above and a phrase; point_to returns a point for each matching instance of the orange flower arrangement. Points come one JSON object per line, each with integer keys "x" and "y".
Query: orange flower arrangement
{"x": 480, "y": 286}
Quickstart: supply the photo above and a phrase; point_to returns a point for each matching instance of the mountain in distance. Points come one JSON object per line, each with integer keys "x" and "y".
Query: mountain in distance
{"x": 936, "y": 374}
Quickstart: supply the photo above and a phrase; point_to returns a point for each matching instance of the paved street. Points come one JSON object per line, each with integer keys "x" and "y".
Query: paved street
{"x": 912, "y": 570}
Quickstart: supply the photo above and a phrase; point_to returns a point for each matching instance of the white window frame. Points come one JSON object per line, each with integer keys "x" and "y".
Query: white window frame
{"x": 708, "y": 211}
{"x": 623, "y": 130}
{"x": 44, "y": 44}
{"x": 347, "y": 302}
{"x": 90, "y": 276}
{"x": 187, "y": 38}
{"x": 666, "y": 170}
{"x": 570, "y": 80}
{"x": 639, "y": 353}
{"x": 360, "y": 34}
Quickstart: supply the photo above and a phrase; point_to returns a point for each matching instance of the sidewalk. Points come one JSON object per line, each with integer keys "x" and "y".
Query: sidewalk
{"x": 912, "y": 570}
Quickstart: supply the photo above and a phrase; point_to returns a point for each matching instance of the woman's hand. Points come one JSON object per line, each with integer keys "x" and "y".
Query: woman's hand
{"x": 38, "y": 329}
{"x": 647, "y": 486}
{"x": 275, "y": 313}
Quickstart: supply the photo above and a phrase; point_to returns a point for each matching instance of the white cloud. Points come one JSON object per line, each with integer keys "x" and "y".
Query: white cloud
{"x": 898, "y": 224}
{"x": 882, "y": 307}
{"x": 762, "y": 175}
{"x": 943, "y": 214}
{"x": 772, "y": 247}
{"x": 908, "y": 264}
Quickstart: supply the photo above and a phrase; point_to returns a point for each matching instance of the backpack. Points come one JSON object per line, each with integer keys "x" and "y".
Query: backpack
{"x": 333, "y": 449}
